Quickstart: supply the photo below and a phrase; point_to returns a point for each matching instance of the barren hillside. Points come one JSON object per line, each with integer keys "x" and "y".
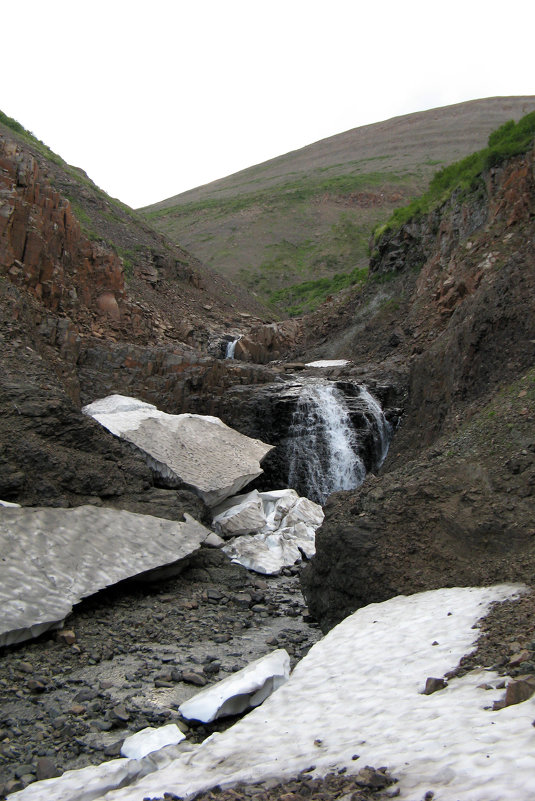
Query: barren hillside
{"x": 308, "y": 215}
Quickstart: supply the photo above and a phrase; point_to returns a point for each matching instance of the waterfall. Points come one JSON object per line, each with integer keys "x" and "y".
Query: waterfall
{"x": 324, "y": 448}
{"x": 381, "y": 428}
{"x": 231, "y": 347}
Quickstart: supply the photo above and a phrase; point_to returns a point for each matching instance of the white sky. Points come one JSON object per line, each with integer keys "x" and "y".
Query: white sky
{"x": 153, "y": 98}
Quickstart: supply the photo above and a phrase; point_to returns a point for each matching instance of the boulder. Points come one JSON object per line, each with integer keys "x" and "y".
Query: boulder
{"x": 444, "y": 520}
{"x": 246, "y": 688}
{"x": 197, "y": 451}
{"x": 52, "y": 558}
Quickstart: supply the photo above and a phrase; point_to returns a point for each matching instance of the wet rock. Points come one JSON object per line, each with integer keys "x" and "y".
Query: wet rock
{"x": 519, "y": 690}
{"x": 46, "y": 769}
{"x": 432, "y": 685}
{"x": 190, "y": 677}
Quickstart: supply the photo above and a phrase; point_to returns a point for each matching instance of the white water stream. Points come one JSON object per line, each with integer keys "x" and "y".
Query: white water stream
{"x": 324, "y": 449}
{"x": 231, "y": 347}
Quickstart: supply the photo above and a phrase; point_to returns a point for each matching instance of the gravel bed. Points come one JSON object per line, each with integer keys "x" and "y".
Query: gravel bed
{"x": 130, "y": 655}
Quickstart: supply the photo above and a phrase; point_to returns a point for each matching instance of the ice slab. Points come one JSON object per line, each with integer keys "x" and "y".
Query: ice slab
{"x": 246, "y": 688}
{"x": 277, "y": 504}
{"x": 242, "y": 514}
{"x": 52, "y": 558}
{"x": 304, "y": 511}
{"x": 269, "y": 552}
{"x": 287, "y": 533}
{"x": 151, "y": 739}
{"x": 197, "y": 450}
{"x": 328, "y": 363}
{"x": 359, "y": 690}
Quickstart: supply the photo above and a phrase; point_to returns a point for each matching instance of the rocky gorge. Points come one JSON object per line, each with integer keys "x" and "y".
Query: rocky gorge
{"x": 442, "y": 335}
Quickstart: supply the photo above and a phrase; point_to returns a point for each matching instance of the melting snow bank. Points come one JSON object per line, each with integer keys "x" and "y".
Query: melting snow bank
{"x": 248, "y": 687}
{"x": 358, "y": 691}
{"x": 328, "y": 363}
{"x": 52, "y": 558}
{"x": 197, "y": 450}
{"x": 278, "y": 528}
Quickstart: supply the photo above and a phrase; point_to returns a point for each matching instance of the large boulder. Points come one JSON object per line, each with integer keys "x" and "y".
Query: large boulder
{"x": 196, "y": 451}
{"x": 52, "y": 558}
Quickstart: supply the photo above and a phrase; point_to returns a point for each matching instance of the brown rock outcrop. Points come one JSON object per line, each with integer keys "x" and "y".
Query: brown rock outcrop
{"x": 269, "y": 342}
{"x": 43, "y": 248}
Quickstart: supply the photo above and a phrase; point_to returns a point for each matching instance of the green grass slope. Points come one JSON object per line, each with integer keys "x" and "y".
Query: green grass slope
{"x": 296, "y": 229}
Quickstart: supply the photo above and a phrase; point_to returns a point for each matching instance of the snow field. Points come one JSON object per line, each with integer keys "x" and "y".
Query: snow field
{"x": 358, "y": 691}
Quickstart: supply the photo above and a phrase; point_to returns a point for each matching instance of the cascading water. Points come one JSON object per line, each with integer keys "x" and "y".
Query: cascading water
{"x": 231, "y": 347}
{"x": 381, "y": 428}
{"x": 323, "y": 445}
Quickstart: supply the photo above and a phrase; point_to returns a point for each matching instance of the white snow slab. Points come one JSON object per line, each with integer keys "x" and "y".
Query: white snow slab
{"x": 277, "y": 504}
{"x": 151, "y": 739}
{"x": 328, "y": 363}
{"x": 290, "y": 523}
{"x": 197, "y": 450}
{"x": 269, "y": 552}
{"x": 359, "y": 690}
{"x": 242, "y": 514}
{"x": 8, "y": 504}
{"x": 304, "y": 511}
{"x": 52, "y": 558}
{"x": 246, "y": 688}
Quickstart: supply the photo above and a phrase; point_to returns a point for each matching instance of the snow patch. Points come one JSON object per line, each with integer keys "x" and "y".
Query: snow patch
{"x": 150, "y": 739}
{"x": 246, "y": 688}
{"x": 359, "y": 691}
{"x": 328, "y": 363}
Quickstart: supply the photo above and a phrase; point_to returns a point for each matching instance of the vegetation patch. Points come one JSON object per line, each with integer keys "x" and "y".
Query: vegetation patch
{"x": 285, "y": 194}
{"x": 31, "y": 139}
{"x": 511, "y": 139}
{"x": 308, "y": 295}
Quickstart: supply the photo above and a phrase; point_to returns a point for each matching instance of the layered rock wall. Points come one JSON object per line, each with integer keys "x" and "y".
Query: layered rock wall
{"x": 44, "y": 250}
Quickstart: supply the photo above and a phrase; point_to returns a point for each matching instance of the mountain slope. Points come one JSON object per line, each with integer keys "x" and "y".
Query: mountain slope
{"x": 454, "y": 503}
{"x": 39, "y": 189}
{"x": 309, "y": 214}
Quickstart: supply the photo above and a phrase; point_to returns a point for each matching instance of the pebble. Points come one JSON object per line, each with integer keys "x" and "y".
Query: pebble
{"x": 46, "y": 769}
{"x": 194, "y": 678}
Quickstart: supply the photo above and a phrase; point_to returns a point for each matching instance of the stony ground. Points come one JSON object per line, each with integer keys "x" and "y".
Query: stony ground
{"x": 129, "y": 656}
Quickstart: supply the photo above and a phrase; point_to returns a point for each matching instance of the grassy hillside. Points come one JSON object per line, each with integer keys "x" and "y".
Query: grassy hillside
{"x": 510, "y": 139}
{"x": 297, "y": 228}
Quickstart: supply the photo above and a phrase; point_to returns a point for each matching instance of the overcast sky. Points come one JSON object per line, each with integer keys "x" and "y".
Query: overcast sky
{"x": 152, "y": 98}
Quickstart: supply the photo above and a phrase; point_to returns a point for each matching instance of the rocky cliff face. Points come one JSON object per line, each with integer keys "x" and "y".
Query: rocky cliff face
{"x": 74, "y": 327}
{"x": 43, "y": 250}
{"x": 453, "y": 503}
